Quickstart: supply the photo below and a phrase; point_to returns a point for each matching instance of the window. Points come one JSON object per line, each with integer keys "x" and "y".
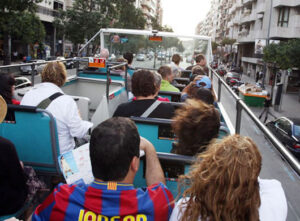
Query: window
{"x": 283, "y": 19}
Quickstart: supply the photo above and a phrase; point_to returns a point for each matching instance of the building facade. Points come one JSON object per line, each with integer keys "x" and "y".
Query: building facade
{"x": 253, "y": 24}
{"x": 151, "y": 9}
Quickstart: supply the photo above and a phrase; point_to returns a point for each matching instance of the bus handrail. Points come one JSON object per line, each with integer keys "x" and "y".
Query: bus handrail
{"x": 241, "y": 105}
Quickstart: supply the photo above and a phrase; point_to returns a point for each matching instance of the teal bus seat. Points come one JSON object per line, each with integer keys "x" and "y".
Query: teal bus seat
{"x": 173, "y": 165}
{"x": 100, "y": 75}
{"x": 34, "y": 135}
{"x": 172, "y": 96}
{"x": 186, "y": 73}
{"x": 157, "y": 131}
{"x": 184, "y": 81}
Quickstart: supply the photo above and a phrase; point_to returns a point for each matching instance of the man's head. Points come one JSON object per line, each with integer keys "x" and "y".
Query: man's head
{"x": 104, "y": 53}
{"x": 176, "y": 59}
{"x": 197, "y": 70}
{"x": 55, "y": 72}
{"x": 201, "y": 60}
{"x": 166, "y": 73}
{"x": 114, "y": 149}
{"x": 129, "y": 57}
{"x": 143, "y": 83}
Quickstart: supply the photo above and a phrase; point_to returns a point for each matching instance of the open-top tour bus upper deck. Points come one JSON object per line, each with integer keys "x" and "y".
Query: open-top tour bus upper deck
{"x": 98, "y": 90}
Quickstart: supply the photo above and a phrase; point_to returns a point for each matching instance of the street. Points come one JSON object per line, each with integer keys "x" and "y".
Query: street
{"x": 273, "y": 166}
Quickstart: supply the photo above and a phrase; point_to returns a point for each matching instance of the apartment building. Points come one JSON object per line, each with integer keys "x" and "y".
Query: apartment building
{"x": 252, "y": 23}
{"x": 151, "y": 9}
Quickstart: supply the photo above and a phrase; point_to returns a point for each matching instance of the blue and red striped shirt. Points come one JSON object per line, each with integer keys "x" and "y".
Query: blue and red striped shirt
{"x": 106, "y": 201}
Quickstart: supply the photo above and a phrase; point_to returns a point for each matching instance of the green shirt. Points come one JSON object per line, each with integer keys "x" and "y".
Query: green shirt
{"x": 166, "y": 86}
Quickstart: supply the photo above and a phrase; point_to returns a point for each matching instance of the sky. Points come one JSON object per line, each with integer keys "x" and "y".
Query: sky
{"x": 184, "y": 15}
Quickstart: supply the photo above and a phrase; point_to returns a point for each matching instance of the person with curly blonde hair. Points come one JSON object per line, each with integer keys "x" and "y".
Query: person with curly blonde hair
{"x": 223, "y": 185}
{"x": 196, "y": 124}
{"x": 48, "y": 95}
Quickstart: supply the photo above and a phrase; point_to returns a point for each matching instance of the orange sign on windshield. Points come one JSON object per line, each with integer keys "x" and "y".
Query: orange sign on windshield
{"x": 96, "y": 62}
{"x": 155, "y": 38}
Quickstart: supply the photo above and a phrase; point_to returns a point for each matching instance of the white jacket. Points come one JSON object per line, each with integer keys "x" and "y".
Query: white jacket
{"x": 65, "y": 111}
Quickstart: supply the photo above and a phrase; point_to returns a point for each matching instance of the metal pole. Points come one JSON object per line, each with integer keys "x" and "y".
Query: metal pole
{"x": 238, "y": 117}
{"x": 107, "y": 83}
{"x": 126, "y": 74}
{"x": 32, "y": 74}
{"x": 267, "y": 43}
{"x": 219, "y": 89}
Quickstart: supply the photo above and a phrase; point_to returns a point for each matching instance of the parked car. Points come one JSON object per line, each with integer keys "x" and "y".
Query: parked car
{"x": 230, "y": 77}
{"x": 21, "y": 82}
{"x": 287, "y": 130}
{"x": 68, "y": 64}
{"x": 140, "y": 57}
{"x": 27, "y": 69}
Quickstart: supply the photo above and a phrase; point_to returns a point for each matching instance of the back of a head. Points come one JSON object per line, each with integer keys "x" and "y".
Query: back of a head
{"x": 129, "y": 57}
{"x": 225, "y": 182}
{"x": 54, "y": 72}
{"x": 199, "y": 58}
{"x": 143, "y": 83}
{"x": 202, "y": 94}
{"x": 113, "y": 145}
{"x": 195, "y": 124}
{"x": 176, "y": 58}
{"x": 121, "y": 60}
{"x": 104, "y": 53}
{"x": 7, "y": 81}
{"x": 198, "y": 70}
{"x": 164, "y": 71}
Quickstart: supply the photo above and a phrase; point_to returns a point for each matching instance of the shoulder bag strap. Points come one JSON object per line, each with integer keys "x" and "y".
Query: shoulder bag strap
{"x": 45, "y": 103}
{"x": 151, "y": 108}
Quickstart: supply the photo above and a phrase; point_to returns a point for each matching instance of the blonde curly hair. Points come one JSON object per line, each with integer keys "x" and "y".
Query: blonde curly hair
{"x": 223, "y": 183}
{"x": 55, "y": 72}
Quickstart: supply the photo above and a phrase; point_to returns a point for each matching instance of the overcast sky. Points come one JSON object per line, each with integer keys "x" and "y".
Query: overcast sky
{"x": 184, "y": 15}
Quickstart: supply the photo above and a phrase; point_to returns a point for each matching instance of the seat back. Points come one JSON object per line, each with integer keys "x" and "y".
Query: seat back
{"x": 100, "y": 75}
{"x": 35, "y": 137}
{"x": 83, "y": 104}
{"x": 157, "y": 131}
{"x": 172, "y": 96}
{"x": 186, "y": 73}
{"x": 182, "y": 80}
{"x": 173, "y": 165}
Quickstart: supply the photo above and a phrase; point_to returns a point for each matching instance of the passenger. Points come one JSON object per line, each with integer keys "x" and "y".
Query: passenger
{"x": 7, "y": 86}
{"x": 201, "y": 93}
{"x": 144, "y": 88}
{"x": 200, "y": 61}
{"x": 121, "y": 70}
{"x": 129, "y": 57}
{"x": 196, "y": 124}
{"x": 224, "y": 185}
{"x": 13, "y": 188}
{"x": 167, "y": 78}
{"x": 104, "y": 53}
{"x": 191, "y": 90}
{"x": 176, "y": 70}
{"x": 114, "y": 151}
{"x": 49, "y": 96}
{"x": 197, "y": 70}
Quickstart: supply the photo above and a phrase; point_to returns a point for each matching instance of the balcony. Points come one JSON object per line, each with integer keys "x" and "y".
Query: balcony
{"x": 287, "y": 3}
{"x": 246, "y": 36}
{"x": 246, "y": 2}
{"x": 146, "y": 3}
{"x": 260, "y": 7}
{"x": 46, "y": 14}
{"x": 248, "y": 17}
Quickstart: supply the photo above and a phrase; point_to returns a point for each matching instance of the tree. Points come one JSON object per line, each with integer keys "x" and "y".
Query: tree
{"x": 228, "y": 41}
{"x": 17, "y": 19}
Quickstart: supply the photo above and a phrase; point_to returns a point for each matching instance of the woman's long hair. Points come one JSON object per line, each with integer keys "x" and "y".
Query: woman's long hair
{"x": 223, "y": 183}
{"x": 7, "y": 81}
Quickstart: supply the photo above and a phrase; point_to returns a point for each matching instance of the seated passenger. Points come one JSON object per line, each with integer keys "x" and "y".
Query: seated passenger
{"x": 196, "y": 124}
{"x": 167, "y": 78}
{"x": 7, "y": 86}
{"x": 129, "y": 57}
{"x": 49, "y": 96}
{"x": 176, "y": 70}
{"x": 224, "y": 185}
{"x": 114, "y": 151}
{"x": 104, "y": 53}
{"x": 13, "y": 188}
{"x": 144, "y": 88}
{"x": 200, "y": 61}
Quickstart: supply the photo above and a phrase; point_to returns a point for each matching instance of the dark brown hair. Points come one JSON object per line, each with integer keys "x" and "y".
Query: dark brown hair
{"x": 164, "y": 71}
{"x": 143, "y": 83}
{"x": 199, "y": 58}
{"x": 195, "y": 124}
{"x": 176, "y": 58}
{"x": 223, "y": 183}
{"x": 197, "y": 70}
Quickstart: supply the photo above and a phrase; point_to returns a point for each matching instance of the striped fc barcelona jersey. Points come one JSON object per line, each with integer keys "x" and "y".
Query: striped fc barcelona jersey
{"x": 106, "y": 201}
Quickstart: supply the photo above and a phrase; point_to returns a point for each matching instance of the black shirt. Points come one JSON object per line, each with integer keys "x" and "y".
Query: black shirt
{"x": 13, "y": 188}
{"x": 138, "y": 107}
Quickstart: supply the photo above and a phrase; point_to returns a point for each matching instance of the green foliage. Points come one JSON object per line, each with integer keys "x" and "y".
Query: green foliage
{"x": 228, "y": 41}
{"x": 214, "y": 46}
{"x": 285, "y": 55}
{"x": 17, "y": 19}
